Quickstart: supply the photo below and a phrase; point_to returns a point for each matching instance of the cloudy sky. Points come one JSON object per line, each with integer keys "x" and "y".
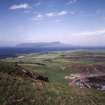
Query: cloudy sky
{"x": 78, "y": 22}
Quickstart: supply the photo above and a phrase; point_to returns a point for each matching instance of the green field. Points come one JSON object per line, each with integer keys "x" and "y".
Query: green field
{"x": 16, "y": 90}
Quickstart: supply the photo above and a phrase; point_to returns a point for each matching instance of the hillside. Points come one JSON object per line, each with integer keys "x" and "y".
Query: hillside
{"x": 20, "y": 83}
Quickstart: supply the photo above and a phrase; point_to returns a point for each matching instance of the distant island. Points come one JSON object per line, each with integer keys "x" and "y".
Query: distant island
{"x": 42, "y": 47}
{"x": 43, "y": 44}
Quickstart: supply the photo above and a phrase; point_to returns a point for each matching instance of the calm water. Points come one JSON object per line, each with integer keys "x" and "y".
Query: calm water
{"x": 13, "y": 51}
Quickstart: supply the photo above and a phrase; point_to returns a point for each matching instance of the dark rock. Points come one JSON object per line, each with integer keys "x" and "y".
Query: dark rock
{"x": 42, "y": 78}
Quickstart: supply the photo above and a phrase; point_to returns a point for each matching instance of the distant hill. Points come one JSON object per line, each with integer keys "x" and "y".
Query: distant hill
{"x": 43, "y": 44}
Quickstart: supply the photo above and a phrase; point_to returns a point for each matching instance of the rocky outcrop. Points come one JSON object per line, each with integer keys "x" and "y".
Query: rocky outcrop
{"x": 20, "y": 71}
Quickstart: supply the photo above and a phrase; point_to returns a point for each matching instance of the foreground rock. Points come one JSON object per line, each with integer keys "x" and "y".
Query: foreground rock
{"x": 28, "y": 74}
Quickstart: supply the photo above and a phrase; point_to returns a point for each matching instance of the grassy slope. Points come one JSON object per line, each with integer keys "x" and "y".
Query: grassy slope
{"x": 18, "y": 91}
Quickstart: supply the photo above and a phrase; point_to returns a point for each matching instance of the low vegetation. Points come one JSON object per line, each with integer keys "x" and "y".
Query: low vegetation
{"x": 21, "y": 89}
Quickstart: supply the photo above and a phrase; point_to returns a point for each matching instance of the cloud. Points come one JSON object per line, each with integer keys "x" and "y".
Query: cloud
{"x": 19, "y": 6}
{"x": 61, "y": 13}
{"x": 38, "y": 17}
{"x": 51, "y": 14}
{"x": 71, "y": 2}
{"x": 88, "y": 38}
{"x": 97, "y": 32}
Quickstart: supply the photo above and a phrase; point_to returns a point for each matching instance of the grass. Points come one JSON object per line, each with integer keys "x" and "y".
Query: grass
{"x": 15, "y": 90}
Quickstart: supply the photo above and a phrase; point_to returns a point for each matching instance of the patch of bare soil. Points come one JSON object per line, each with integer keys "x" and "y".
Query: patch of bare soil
{"x": 88, "y": 76}
{"x": 96, "y": 82}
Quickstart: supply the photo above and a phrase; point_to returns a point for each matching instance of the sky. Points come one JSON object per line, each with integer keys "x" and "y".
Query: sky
{"x": 77, "y": 22}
